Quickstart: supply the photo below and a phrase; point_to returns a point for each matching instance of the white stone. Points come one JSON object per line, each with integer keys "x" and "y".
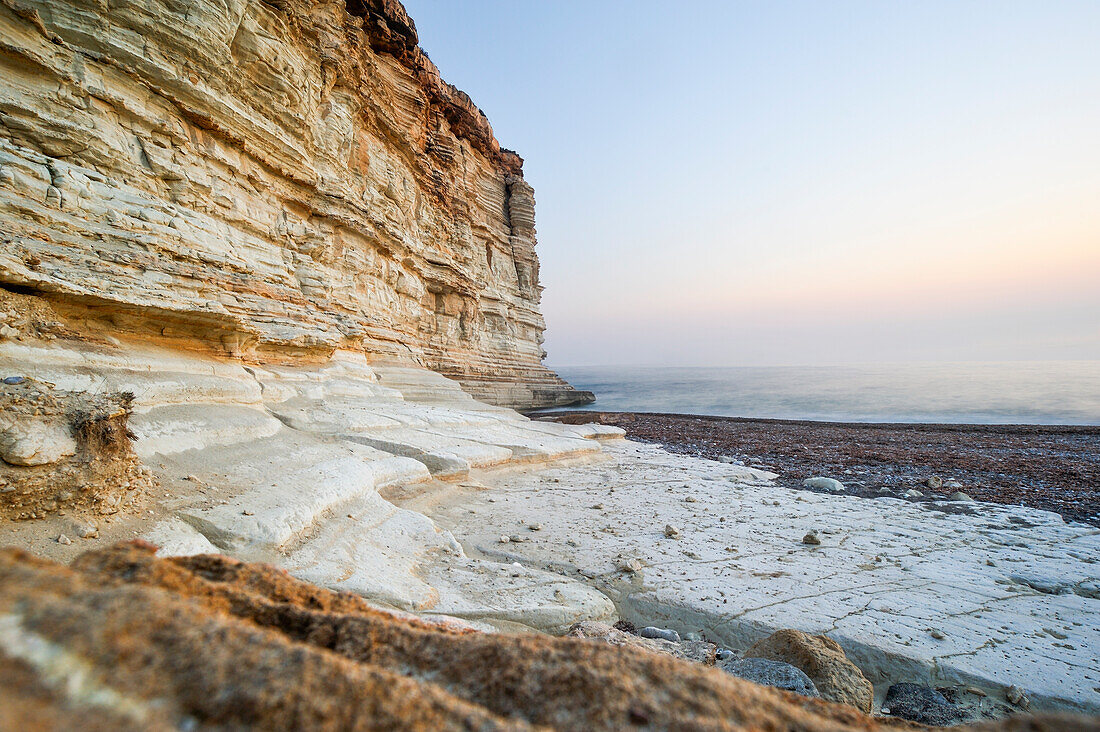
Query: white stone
{"x": 27, "y": 441}
{"x": 824, "y": 484}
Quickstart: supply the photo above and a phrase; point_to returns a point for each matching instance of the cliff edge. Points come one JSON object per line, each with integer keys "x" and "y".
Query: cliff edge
{"x": 268, "y": 180}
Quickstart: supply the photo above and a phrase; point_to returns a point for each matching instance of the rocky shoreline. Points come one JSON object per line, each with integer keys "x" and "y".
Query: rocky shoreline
{"x": 1050, "y": 467}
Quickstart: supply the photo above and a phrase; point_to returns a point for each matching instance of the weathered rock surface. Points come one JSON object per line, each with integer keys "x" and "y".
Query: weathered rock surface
{"x": 230, "y": 645}
{"x": 265, "y": 178}
{"x": 822, "y": 659}
{"x": 64, "y": 450}
{"x": 910, "y": 594}
{"x": 288, "y": 464}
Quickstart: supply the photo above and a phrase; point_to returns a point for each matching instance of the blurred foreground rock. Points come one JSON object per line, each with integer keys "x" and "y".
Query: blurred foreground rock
{"x": 123, "y": 640}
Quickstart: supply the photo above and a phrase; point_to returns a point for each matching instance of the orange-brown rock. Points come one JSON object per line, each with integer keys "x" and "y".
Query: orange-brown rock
{"x": 823, "y": 660}
{"x": 122, "y": 640}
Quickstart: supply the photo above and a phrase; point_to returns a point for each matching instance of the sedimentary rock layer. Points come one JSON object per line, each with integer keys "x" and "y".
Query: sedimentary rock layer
{"x": 266, "y": 179}
{"x": 122, "y": 640}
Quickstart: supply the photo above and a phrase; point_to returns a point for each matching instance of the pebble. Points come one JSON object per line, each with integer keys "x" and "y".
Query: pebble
{"x": 517, "y": 539}
{"x": 504, "y": 539}
{"x": 937, "y": 634}
{"x": 14, "y": 380}
{"x": 960, "y": 496}
{"x": 934, "y": 482}
{"x": 912, "y": 493}
{"x": 811, "y": 538}
{"x": 535, "y": 527}
{"x": 651, "y": 631}
{"x": 64, "y": 540}
{"x": 87, "y": 532}
{"x": 689, "y": 499}
{"x": 672, "y": 532}
{"x": 724, "y": 654}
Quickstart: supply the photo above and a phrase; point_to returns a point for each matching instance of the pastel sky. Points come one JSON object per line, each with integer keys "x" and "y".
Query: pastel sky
{"x": 780, "y": 182}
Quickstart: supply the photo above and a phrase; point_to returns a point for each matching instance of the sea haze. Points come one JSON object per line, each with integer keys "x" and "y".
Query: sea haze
{"x": 1032, "y": 392}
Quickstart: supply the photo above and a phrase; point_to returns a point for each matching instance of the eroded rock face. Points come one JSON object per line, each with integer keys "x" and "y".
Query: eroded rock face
{"x": 264, "y": 178}
{"x": 226, "y": 644}
{"x": 63, "y": 450}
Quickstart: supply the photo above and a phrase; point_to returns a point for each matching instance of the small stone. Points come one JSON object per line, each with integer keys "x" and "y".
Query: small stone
{"x": 912, "y": 493}
{"x": 724, "y": 654}
{"x": 598, "y": 507}
{"x": 672, "y": 532}
{"x": 11, "y": 380}
{"x": 811, "y": 538}
{"x": 535, "y": 527}
{"x": 1016, "y": 697}
{"x": 934, "y": 482}
{"x": 937, "y": 634}
{"x": 651, "y": 631}
{"x": 504, "y": 539}
{"x": 247, "y": 513}
{"x": 689, "y": 499}
{"x": 629, "y": 565}
{"x": 960, "y": 496}
{"x": 64, "y": 540}
{"x": 87, "y": 531}
{"x": 517, "y": 539}
{"x": 693, "y": 636}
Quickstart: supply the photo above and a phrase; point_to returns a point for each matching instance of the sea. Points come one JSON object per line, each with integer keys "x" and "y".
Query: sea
{"x": 1028, "y": 392}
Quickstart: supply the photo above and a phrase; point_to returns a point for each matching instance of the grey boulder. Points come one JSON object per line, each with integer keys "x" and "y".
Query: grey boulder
{"x": 771, "y": 673}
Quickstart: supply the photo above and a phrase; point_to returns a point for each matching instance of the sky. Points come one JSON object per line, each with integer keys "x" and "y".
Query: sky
{"x": 724, "y": 183}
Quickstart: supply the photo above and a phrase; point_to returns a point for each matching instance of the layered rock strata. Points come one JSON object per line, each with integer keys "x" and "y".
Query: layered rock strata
{"x": 266, "y": 180}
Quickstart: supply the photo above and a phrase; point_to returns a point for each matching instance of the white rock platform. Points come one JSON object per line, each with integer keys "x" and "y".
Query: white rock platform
{"x": 974, "y": 594}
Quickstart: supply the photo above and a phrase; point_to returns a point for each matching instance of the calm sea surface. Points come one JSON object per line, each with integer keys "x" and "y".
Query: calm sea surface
{"x": 1034, "y": 392}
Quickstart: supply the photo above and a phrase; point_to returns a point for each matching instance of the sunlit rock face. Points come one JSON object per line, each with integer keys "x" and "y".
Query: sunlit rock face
{"x": 270, "y": 179}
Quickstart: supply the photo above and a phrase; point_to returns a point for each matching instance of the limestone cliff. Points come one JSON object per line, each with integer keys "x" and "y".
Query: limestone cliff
{"x": 268, "y": 179}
